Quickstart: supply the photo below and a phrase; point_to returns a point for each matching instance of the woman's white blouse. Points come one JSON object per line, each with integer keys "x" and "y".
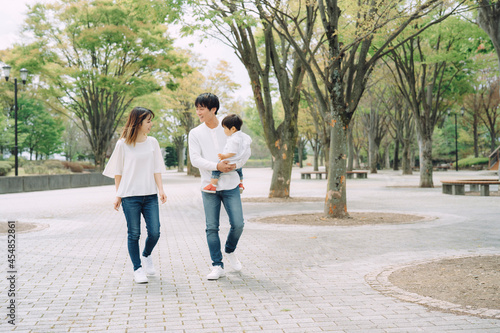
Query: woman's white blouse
{"x": 137, "y": 166}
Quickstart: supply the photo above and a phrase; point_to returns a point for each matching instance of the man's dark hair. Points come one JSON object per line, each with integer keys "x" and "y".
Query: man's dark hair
{"x": 232, "y": 120}
{"x": 207, "y": 100}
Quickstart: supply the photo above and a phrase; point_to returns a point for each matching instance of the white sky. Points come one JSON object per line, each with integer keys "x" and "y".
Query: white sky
{"x": 13, "y": 13}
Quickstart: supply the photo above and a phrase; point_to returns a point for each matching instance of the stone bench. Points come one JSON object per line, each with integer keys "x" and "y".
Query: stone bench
{"x": 307, "y": 174}
{"x": 358, "y": 173}
{"x": 457, "y": 187}
{"x": 319, "y": 174}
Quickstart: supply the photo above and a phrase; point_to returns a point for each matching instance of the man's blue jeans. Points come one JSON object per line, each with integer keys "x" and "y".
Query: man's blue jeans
{"x": 212, "y": 204}
{"x": 133, "y": 207}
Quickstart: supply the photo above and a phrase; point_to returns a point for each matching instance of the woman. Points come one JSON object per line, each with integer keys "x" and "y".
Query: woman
{"x": 136, "y": 165}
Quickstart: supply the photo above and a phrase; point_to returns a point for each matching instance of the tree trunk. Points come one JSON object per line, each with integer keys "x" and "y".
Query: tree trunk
{"x": 395, "y": 163}
{"x": 372, "y": 152}
{"x": 191, "y": 170}
{"x": 407, "y": 160}
{"x": 180, "y": 155}
{"x": 350, "y": 158}
{"x": 489, "y": 20}
{"x": 300, "y": 150}
{"x": 336, "y": 203}
{"x": 425, "y": 144}
{"x": 316, "y": 149}
{"x": 282, "y": 172}
{"x": 387, "y": 155}
{"x": 476, "y": 141}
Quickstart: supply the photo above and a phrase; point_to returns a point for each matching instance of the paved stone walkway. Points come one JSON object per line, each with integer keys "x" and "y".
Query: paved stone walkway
{"x": 75, "y": 275}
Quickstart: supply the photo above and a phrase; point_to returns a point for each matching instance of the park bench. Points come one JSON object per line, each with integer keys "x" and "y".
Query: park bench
{"x": 442, "y": 167}
{"x": 349, "y": 174}
{"x": 457, "y": 187}
{"x": 358, "y": 173}
{"x": 307, "y": 174}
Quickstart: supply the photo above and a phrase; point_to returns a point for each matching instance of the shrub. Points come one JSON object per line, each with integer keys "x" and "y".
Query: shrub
{"x": 263, "y": 163}
{"x": 87, "y": 165}
{"x": 5, "y": 167}
{"x": 73, "y": 166}
{"x": 40, "y": 169}
{"x": 21, "y": 161}
{"x": 53, "y": 164}
{"x": 470, "y": 161}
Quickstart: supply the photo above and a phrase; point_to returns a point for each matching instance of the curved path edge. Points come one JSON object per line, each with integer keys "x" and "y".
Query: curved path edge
{"x": 379, "y": 281}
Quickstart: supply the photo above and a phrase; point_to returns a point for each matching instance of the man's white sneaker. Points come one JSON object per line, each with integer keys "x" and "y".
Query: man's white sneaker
{"x": 149, "y": 267}
{"x": 140, "y": 276}
{"x": 233, "y": 261}
{"x": 217, "y": 272}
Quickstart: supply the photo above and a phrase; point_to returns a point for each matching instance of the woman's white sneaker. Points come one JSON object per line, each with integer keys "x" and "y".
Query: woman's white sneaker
{"x": 216, "y": 273}
{"x": 233, "y": 261}
{"x": 140, "y": 276}
{"x": 149, "y": 267}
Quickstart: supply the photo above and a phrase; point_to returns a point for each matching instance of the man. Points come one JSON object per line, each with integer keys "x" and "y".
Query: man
{"x": 205, "y": 142}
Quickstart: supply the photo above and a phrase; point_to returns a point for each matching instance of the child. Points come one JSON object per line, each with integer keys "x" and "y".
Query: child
{"x": 237, "y": 143}
{"x": 137, "y": 165}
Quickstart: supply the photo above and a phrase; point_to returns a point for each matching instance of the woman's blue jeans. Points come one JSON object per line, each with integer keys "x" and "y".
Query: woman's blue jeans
{"x": 133, "y": 207}
{"x": 232, "y": 203}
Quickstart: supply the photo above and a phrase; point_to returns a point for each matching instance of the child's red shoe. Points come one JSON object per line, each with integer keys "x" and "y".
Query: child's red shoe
{"x": 210, "y": 188}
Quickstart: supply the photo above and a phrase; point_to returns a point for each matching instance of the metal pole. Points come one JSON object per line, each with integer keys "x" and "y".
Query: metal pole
{"x": 456, "y": 144}
{"x": 15, "y": 126}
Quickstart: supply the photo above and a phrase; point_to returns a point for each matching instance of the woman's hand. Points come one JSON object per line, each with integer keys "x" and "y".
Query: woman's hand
{"x": 162, "y": 196}
{"x": 117, "y": 203}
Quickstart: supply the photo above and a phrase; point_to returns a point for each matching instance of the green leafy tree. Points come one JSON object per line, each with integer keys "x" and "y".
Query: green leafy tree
{"x": 6, "y": 135}
{"x": 270, "y": 62}
{"x": 180, "y": 115}
{"x": 170, "y": 156}
{"x": 96, "y": 57}
{"x": 426, "y": 68}
{"x": 355, "y": 36}
{"x": 40, "y": 131}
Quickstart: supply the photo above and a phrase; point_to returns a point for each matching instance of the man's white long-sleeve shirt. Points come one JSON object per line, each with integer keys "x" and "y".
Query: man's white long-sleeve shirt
{"x": 204, "y": 145}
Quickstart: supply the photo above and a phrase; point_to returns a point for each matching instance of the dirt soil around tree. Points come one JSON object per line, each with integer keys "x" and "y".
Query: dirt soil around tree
{"x": 472, "y": 282}
{"x": 21, "y": 227}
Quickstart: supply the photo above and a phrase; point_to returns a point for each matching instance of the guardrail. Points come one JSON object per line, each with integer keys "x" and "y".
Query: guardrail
{"x": 52, "y": 182}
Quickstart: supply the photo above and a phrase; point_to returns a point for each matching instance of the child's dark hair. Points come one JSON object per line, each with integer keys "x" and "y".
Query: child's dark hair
{"x": 208, "y": 100}
{"x": 232, "y": 120}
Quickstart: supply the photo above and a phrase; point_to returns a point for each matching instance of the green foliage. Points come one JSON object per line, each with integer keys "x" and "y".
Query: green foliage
{"x": 56, "y": 167}
{"x": 296, "y": 154}
{"x": 471, "y": 161}
{"x": 258, "y": 163}
{"x": 170, "y": 156}
{"x": 20, "y": 160}
{"x": 39, "y": 131}
{"x": 5, "y": 167}
{"x": 96, "y": 57}
{"x": 48, "y": 167}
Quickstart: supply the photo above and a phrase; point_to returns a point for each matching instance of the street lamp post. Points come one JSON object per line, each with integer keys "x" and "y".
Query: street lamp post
{"x": 24, "y": 76}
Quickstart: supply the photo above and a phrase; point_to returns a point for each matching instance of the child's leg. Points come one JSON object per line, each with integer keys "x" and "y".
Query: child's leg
{"x": 215, "y": 177}
{"x": 240, "y": 173}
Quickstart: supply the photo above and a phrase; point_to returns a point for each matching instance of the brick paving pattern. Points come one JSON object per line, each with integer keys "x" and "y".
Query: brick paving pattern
{"x": 75, "y": 275}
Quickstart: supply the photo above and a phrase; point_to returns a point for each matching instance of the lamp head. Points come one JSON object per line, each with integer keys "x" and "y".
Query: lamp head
{"x": 6, "y": 71}
{"x": 24, "y": 75}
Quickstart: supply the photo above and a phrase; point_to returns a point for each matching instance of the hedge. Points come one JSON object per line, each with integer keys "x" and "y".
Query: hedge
{"x": 5, "y": 167}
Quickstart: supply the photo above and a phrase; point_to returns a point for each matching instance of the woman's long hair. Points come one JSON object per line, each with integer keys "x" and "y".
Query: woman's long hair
{"x": 135, "y": 118}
